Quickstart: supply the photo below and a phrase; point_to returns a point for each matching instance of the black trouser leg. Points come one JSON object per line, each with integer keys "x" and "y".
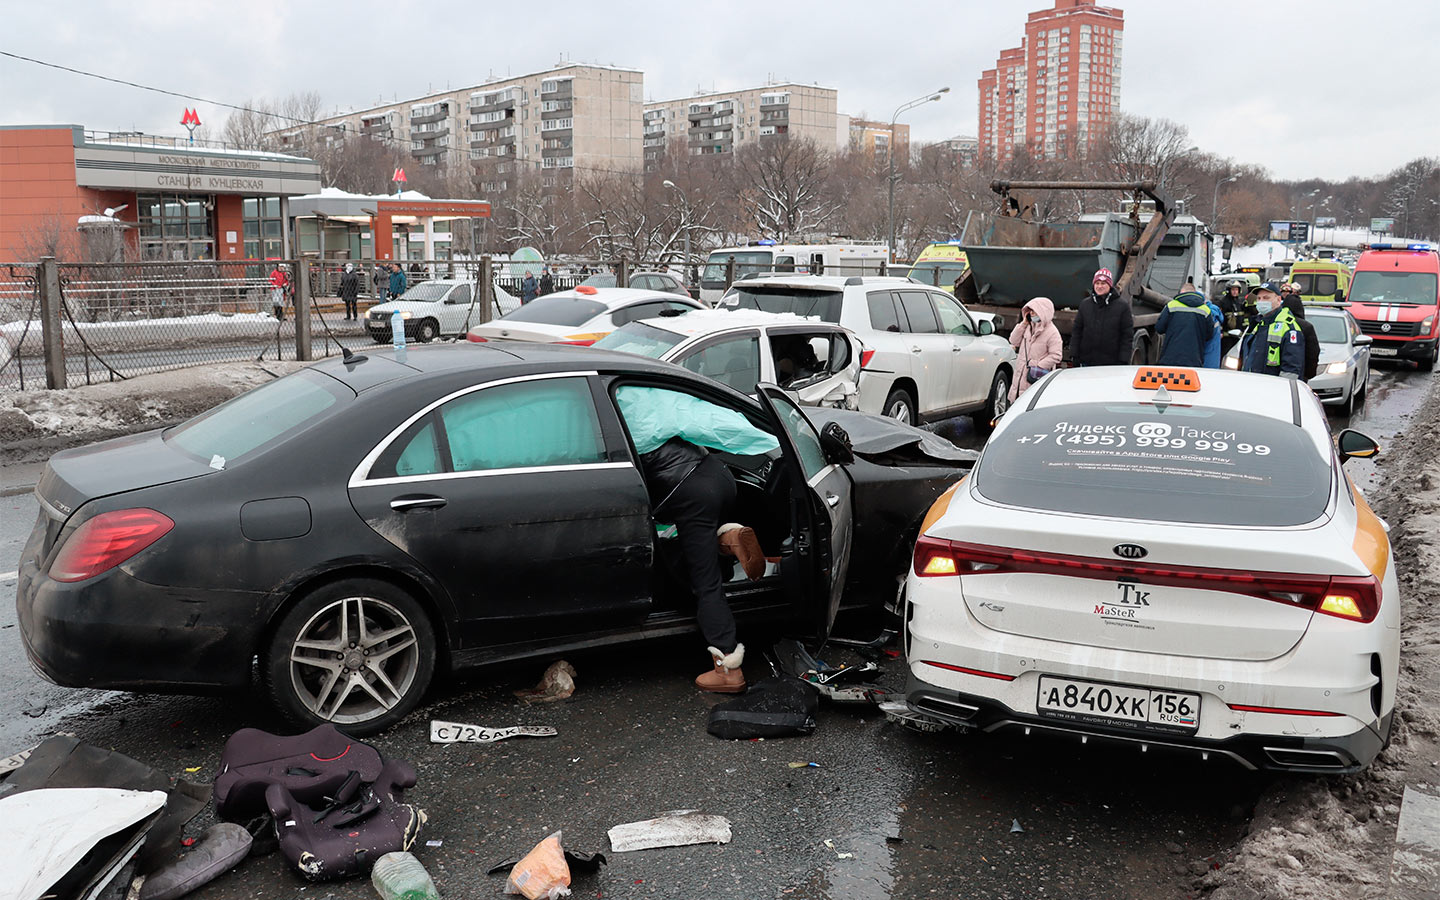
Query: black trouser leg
{"x": 697, "y": 508}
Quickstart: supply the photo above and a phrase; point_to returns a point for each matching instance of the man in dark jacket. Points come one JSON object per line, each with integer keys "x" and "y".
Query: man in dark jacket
{"x": 1291, "y": 300}
{"x": 1103, "y": 333}
{"x": 1186, "y": 324}
{"x": 350, "y": 291}
{"x": 397, "y": 280}
{"x": 1274, "y": 345}
{"x": 547, "y": 282}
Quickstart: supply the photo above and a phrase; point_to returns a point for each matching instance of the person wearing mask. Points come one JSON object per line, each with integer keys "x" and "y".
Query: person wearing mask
{"x": 1037, "y": 345}
{"x": 1292, "y": 301}
{"x": 1103, "y": 333}
{"x": 547, "y": 282}
{"x": 528, "y": 288}
{"x": 1187, "y": 327}
{"x": 694, "y": 490}
{"x": 397, "y": 280}
{"x": 1274, "y": 344}
{"x": 350, "y": 292}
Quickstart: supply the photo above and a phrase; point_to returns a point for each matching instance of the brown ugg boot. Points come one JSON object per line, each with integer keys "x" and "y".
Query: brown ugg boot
{"x": 740, "y": 542}
{"x": 726, "y": 677}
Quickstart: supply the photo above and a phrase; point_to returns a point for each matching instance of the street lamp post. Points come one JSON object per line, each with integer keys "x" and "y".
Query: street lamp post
{"x": 1215, "y": 199}
{"x": 891, "y": 153}
{"x": 1165, "y": 164}
{"x": 685, "y": 224}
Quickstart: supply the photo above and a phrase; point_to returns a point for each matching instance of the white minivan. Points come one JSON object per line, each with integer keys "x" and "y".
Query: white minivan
{"x": 446, "y": 306}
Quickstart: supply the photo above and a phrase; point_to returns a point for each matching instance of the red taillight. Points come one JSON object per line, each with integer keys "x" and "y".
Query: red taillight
{"x": 476, "y": 338}
{"x": 106, "y": 541}
{"x": 578, "y": 343}
{"x": 865, "y": 357}
{"x": 1347, "y": 597}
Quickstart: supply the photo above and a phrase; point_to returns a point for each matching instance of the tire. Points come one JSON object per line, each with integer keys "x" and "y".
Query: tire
{"x": 996, "y": 404}
{"x": 1428, "y": 364}
{"x": 1349, "y": 408}
{"x": 334, "y": 679}
{"x": 427, "y": 331}
{"x": 1140, "y": 350}
{"x": 900, "y": 405}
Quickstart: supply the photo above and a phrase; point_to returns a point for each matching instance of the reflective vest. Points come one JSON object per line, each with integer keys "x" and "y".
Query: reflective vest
{"x": 1283, "y": 325}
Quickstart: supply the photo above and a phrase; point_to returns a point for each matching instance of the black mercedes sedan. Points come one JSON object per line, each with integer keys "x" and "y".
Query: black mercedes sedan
{"x": 359, "y": 525}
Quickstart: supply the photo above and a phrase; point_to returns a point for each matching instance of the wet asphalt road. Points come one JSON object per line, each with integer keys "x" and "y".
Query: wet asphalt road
{"x": 924, "y": 815}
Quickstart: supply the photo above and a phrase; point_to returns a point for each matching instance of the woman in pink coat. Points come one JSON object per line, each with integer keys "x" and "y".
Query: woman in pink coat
{"x": 1037, "y": 344}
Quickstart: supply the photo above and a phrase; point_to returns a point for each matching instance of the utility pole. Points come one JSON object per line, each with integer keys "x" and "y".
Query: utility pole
{"x": 890, "y": 152}
{"x": 685, "y": 224}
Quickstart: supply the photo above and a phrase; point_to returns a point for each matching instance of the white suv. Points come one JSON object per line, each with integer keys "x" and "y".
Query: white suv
{"x": 926, "y": 356}
{"x": 445, "y": 306}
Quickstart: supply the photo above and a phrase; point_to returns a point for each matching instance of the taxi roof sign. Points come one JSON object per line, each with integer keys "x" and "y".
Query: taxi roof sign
{"x": 1166, "y": 377}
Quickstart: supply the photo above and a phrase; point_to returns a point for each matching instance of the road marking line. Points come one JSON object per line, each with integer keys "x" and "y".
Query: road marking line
{"x": 6, "y": 576}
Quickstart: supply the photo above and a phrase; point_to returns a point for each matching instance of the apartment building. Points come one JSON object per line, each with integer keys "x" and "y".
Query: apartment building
{"x": 876, "y": 139}
{"x": 1057, "y": 91}
{"x": 716, "y": 124}
{"x": 574, "y": 116}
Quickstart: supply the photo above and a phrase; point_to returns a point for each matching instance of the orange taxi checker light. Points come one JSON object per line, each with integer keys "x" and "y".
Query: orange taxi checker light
{"x": 1173, "y": 379}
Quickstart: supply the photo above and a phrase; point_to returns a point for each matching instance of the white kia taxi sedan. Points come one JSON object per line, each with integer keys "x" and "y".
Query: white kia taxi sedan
{"x": 1166, "y": 557}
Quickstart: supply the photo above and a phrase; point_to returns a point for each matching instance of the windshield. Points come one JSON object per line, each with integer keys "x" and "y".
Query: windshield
{"x": 925, "y": 273}
{"x": 784, "y": 299}
{"x": 639, "y": 338}
{"x": 1187, "y": 464}
{"x": 1330, "y": 329}
{"x": 426, "y": 292}
{"x": 747, "y": 262}
{"x": 553, "y": 310}
{"x": 256, "y": 417}
{"x": 1393, "y": 287}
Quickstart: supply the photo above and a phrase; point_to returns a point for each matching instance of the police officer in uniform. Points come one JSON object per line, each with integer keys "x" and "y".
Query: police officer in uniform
{"x": 1274, "y": 344}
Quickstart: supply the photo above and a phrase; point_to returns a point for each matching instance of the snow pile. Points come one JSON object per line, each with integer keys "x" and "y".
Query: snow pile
{"x": 1331, "y": 838}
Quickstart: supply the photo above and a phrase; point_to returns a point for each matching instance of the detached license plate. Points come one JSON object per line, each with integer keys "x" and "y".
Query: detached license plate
{"x": 1098, "y": 703}
{"x": 1385, "y": 351}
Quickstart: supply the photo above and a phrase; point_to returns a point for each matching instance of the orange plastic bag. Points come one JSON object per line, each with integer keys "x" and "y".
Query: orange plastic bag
{"x": 543, "y": 874}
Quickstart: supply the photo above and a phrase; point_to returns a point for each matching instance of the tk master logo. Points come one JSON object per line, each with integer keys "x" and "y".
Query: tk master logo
{"x": 1131, "y": 595}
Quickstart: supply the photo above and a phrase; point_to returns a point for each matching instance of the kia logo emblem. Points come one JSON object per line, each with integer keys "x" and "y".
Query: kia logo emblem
{"x": 1385, "y": 327}
{"x": 1131, "y": 551}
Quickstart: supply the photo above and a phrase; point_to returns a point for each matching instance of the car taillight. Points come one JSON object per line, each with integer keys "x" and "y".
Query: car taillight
{"x": 1346, "y": 597}
{"x": 476, "y": 338}
{"x": 106, "y": 541}
{"x": 578, "y": 343}
{"x": 865, "y": 357}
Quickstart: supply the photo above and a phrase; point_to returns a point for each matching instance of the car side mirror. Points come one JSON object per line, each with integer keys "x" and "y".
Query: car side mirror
{"x": 835, "y": 444}
{"x": 986, "y": 327}
{"x": 1354, "y": 445}
{"x": 1363, "y": 340}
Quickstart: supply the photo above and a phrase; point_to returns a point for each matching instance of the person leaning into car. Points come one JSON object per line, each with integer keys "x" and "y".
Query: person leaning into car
{"x": 1274, "y": 345}
{"x": 696, "y": 492}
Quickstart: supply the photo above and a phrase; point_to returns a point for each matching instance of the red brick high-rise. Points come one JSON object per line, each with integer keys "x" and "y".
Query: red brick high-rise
{"x": 1058, "y": 90}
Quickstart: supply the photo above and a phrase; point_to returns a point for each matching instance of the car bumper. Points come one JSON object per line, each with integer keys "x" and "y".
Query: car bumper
{"x": 117, "y": 632}
{"x": 1331, "y": 389}
{"x": 1415, "y": 351}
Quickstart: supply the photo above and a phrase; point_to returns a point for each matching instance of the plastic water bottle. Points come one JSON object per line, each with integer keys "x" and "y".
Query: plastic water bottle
{"x": 400, "y": 876}
{"x": 397, "y": 330}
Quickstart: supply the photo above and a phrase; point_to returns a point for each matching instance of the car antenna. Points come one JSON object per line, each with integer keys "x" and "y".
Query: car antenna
{"x": 350, "y": 357}
{"x": 1161, "y": 398}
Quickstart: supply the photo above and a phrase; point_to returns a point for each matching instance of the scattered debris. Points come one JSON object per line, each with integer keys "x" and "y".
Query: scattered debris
{"x": 670, "y": 831}
{"x": 434, "y": 843}
{"x": 400, "y": 876}
{"x": 1015, "y": 827}
{"x": 838, "y": 855}
{"x": 459, "y": 732}
{"x": 558, "y": 683}
{"x": 900, "y": 713}
{"x": 774, "y": 707}
{"x": 804, "y": 765}
{"x": 219, "y": 850}
{"x": 543, "y": 873}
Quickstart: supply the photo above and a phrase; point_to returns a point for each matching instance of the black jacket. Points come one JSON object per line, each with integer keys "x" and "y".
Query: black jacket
{"x": 349, "y": 286}
{"x": 1103, "y": 333}
{"x": 1312, "y": 340}
{"x": 668, "y": 465}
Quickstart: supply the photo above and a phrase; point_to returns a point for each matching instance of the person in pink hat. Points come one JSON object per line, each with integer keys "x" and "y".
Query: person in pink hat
{"x": 1103, "y": 333}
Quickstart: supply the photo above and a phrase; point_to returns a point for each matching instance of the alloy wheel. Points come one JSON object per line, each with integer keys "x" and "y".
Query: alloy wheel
{"x": 355, "y": 659}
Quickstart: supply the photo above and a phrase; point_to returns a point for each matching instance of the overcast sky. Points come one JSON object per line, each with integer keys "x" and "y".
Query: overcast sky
{"x": 1305, "y": 88}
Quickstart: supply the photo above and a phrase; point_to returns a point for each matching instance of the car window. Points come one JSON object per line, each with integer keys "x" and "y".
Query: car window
{"x": 640, "y": 338}
{"x": 461, "y": 295}
{"x": 801, "y": 358}
{"x": 1194, "y": 465}
{"x": 1330, "y": 329}
{"x": 647, "y": 310}
{"x": 257, "y": 417}
{"x": 782, "y": 299}
{"x": 802, "y": 433}
{"x": 1324, "y": 285}
{"x": 883, "y": 316}
{"x": 426, "y": 292}
{"x": 919, "y": 312}
{"x": 644, "y": 282}
{"x": 553, "y": 310}
{"x": 953, "y": 319}
{"x": 548, "y": 422}
{"x": 734, "y": 361}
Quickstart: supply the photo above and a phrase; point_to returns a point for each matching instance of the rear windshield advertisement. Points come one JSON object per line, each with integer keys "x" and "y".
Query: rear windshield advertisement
{"x": 1182, "y": 464}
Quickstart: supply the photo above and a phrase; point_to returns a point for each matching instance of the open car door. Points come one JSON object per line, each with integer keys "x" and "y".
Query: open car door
{"x": 822, "y": 509}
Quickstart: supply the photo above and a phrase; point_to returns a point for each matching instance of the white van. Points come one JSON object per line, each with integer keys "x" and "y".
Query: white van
{"x": 445, "y": 306}
{"x": 767, "y": 257}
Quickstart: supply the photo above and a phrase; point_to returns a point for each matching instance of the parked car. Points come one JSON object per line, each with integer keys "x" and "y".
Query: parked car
{"x": 1165, "y": 558}
{"x": 431, "y": 309}
{"x": 1344, "y": 356}
{"x": 581, "y": 316}
{"x": 929, "y": 357}
{"x": 816, "y": 363}
{"x": 648, "y": 281}
{"x": 360, "y": 525}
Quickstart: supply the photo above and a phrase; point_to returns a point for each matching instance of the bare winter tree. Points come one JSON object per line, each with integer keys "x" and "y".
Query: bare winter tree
{"x": 781, "y": 184}
{"x": 248, "y": 128}
{"x": 1407, "y": 201}
{"x": 1139, "y": 148}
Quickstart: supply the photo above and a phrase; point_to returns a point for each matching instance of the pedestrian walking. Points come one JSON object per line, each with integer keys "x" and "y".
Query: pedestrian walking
{"x": 1187, "y": 327}
{"x": 350, "y": 292}
{"x": 528, "y": 287}
{"x": 1292, "y": 300}
{"x": 1103, "y": 333}
{"x": 1037, "y": 345}
{"x": 279, "y": 285}
{"x": 1274, "y": 344}
{"x": 693, "y": 490}
{"x": 547, "y": 282}
{"x": 397, "y": 280}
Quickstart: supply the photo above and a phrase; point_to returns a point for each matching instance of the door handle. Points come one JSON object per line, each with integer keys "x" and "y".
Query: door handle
{"x": 832, "y": 500}
{"x": 402, "y": 504}
{"x": 914, "y": 349}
